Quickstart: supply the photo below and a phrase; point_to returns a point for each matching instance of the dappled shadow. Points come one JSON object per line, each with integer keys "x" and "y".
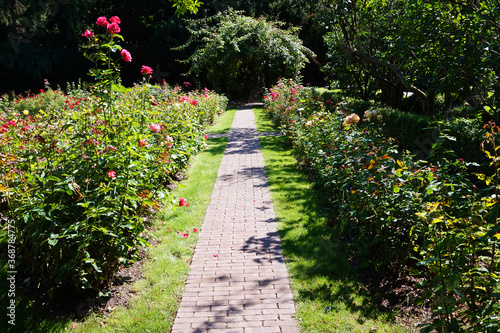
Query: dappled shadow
{"x": 217, "y": 145}
{"x": 240, "y": 145}
{"x": 222, "y": 314}
{"x": 266, "y": 249}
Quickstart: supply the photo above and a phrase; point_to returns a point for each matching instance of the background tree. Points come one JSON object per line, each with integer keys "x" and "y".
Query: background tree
{"x": 40, "y": 39}
{"x": 299, "y": 13}
{"x": 241, "y": 54}
{"x": 425, "y": 47}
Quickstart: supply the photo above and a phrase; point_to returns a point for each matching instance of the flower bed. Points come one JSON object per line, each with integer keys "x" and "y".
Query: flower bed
{"x": 399, "y": 213}
{"x": 81, "y": 171}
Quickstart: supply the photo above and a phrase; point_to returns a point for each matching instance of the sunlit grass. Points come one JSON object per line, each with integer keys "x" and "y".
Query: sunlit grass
{"x": 264, "y": 124}
{"x": 328, "y": 294}
{"x": 223, "y": 122}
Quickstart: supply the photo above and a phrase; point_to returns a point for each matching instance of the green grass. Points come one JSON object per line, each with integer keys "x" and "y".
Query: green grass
{"x": 329, "y": 296}
{"x": 264, "y": 124}
{"x": 223, "y": 122}
{"x": 157, "y": 296}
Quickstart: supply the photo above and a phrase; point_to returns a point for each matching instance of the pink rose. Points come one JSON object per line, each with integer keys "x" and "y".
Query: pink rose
{"x": 155, "y": 128}
{"x": 170, "y": 141}
{"x": 115, "y": 19}
{"x": 111, "y": 174}
{"x": 146, "y": 70}
{"x": 127, "y": 57}
{"x": 206, "y": 136}
{"x": 183, "y": 202}
{"x": 113, "y": 28}
{"x": 194, "y": 102}
{"x": 87, "y": 33}
{"x": 102, "y": 21}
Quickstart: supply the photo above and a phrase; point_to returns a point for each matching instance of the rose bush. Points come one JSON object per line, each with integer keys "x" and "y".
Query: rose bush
{"x": 399, "y": 213}
{"x": 79, "y": 178}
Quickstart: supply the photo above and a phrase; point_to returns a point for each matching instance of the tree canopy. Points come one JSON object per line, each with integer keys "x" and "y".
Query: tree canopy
{"x": 40, "y": 39}
{"x": 425, "y": 47}
{"x": 242, "y": 54}
{"x": 445, "y": 53}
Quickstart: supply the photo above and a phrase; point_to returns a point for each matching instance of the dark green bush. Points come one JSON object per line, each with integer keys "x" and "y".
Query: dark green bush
{"x": 418, "y": 133}
{"x": 333, "y": 96}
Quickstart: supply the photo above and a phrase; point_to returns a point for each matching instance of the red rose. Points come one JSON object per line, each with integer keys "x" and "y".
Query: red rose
{"x": 127, "y": 57}
{"x": 113, "y": 28}
{"x": 102, "y": 21}
{"x": 115, "y": 19}
{"x": 111, "y": 174}
{"x": 87, "y": 33}
{"x": 146, "y": 70}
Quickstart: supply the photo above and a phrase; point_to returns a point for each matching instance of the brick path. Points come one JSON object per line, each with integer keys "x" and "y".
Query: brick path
{"x": 238, "y": 280}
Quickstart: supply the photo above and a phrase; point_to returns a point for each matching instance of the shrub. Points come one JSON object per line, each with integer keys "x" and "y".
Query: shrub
{"x": 394, "y": 208}
{"x": 418, "y": 133}
{"x": 241, "y": 54}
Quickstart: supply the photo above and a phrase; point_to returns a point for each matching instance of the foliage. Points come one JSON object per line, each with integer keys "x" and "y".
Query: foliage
{"x": 38, "y": 38}
{"x": 423, "y": 47}
{"x": 241, "y": 54}
{"x": 418, "y": 133}
{"x": 80, "y": 180}
{"x": 329, "y": 294}
{"x": 357, "y": 169}
{"x": 184, "y": 6}
{"x": 393, "y": 208}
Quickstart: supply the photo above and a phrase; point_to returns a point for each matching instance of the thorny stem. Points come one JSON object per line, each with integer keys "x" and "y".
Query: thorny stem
{"x": 443, "y": 284}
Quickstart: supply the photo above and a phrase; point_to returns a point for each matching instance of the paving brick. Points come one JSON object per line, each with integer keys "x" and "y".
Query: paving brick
{"x": 245, "y": 288}
{"x": 257, "y": 324}
{"x": 178, "y": 326}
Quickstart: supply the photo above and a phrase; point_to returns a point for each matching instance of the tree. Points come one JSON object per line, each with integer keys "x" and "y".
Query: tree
{"x": 40, "y": 38}
{"x": 425, "y": 47}
{"x": 241, "y": 54}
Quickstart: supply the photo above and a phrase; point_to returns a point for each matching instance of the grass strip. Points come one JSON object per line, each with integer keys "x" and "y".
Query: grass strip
{"x": 264, "y": 124}
{"x": 328, "y": 295}
{"x": 223, "y": 122}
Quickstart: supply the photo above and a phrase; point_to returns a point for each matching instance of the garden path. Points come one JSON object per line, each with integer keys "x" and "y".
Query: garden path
{"x": 238, "y": 280}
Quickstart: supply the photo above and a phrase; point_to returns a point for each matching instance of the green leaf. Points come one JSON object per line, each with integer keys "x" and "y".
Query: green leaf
{"x": 53, "y": 239}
